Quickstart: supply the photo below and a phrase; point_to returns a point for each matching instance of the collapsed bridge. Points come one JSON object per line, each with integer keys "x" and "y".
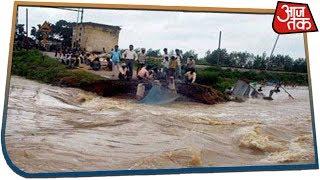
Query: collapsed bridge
{"x": 109, "y": 88}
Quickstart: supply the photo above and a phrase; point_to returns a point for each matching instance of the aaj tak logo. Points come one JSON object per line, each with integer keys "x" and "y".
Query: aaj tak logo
{"x": 293, "y": 18}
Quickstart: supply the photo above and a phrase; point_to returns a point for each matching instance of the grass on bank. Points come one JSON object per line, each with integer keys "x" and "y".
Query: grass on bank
{"x": 34, "y": 65}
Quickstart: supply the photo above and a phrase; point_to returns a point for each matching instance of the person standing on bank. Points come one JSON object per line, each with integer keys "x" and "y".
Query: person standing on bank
{"x": 165, "y": 61}
{"x": 130, "y": 56}
{"x": 142, "y": 59}
{"x": 173, "y": 65}
{"x": 115, "y": 58}
{"x": 191, "y": 63}
{"x": 178, "y": 59}
{"x": 165, "y": 54}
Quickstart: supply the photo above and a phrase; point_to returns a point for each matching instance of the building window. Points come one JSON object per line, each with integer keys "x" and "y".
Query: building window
{"x": 79, "y": 40}
{"x": 79, "y": 34}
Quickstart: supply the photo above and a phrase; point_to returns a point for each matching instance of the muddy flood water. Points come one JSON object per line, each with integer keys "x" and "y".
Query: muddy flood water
{"x": 55, "y": 129}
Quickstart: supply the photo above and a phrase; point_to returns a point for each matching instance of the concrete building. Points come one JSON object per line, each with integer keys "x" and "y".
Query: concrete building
{"x": 95, "y": 37}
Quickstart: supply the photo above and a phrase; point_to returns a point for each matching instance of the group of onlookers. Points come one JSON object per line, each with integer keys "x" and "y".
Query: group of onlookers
{"x": 69, "y": 57}
{"x": 172, "y": 66}
{"x": 122, "y": 63}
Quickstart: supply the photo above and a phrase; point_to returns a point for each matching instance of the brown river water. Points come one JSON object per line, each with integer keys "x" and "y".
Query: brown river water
{"x": 55, "y": 129}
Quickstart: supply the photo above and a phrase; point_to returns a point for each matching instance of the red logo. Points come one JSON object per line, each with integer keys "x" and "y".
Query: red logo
{"x": 293, "y": 18}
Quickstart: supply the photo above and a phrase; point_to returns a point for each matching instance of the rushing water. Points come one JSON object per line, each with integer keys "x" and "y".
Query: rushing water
{"x": 53, "y": 129}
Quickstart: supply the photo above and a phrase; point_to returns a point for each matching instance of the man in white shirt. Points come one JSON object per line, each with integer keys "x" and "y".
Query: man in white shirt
{"x": 165, "y": 62}
{"x": 165, "y": 54}
{"x": 142, "y": 59}
{"x": 130, "y": 56}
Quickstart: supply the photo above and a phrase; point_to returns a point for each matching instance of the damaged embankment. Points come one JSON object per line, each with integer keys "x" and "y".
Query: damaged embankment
{"x": 36, "y": 66}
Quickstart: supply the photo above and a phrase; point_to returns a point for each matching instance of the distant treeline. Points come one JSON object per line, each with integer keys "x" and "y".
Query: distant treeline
{"x": 251, "y": 61}
{"x": 243, "y": 60}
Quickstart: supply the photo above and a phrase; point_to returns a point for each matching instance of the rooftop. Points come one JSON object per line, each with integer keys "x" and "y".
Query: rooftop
{"x": 104, "y": 26}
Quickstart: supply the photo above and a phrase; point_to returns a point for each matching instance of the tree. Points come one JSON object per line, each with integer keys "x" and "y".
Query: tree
{"x": 36, "y": 33}
{"x": 288, "y": 63}
{"x": 300, "y": 65}
{"x": 20, "y": 30}
{"x": 153, "y": 53}
{"x": 243, "y": 59}
{"x": 20, "y": 36}
{"x": 250, "y": 61}
{"x": 212, "y": 57}
{"x": 187, "y": 54}
{"x": 280, "y": 62}
{"x": 63, "y": 31}
{"x": 259, "y": 62}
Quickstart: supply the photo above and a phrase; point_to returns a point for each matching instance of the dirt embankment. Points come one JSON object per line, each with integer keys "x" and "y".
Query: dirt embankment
{"x": 108, "y": 88}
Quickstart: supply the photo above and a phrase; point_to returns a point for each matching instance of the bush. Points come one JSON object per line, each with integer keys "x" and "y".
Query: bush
{"x": 154, "y": 62}
{"x": 208, "y": 77}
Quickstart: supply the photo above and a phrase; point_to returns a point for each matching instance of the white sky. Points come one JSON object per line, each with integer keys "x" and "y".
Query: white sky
{"x": 182, "y": 30}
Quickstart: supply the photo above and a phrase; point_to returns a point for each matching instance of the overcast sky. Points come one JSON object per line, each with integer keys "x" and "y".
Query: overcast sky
{"x": 197, "y": 31}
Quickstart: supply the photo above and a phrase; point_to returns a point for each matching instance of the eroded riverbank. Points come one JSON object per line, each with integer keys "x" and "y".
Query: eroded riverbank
{"x": 53, "y": 129}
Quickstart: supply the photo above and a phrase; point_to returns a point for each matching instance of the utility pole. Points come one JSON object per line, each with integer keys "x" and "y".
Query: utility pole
{"x": 219, "y": 45}
{"x": 81, "y": 26}
{"x": 79, "y": 11}
{"x": 81, "y": 19}
{"x": 17, "y": 22}
{"x": 273, "y": 48}
{"x": 27, "y": 29}
{"x": 78, "y": 14}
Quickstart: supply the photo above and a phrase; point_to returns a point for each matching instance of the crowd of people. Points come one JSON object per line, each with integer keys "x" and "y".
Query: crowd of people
{"x": 122, "y": 63}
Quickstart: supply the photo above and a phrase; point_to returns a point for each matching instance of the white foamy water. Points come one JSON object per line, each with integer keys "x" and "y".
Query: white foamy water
{"x": 52, "y": 129}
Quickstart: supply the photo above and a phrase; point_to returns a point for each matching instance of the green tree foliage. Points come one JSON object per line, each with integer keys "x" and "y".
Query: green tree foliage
{"x": 299, "y": 65}
{"x": 260, "y": 62}
{"x": 250, "y": 61}
{"x": 20, "y": 30}
{"x": 218, "y": 56}
{"x": 281, "y": 62}
{"x": 19, "y": 36}
{"x": 36, "y": 33}
{"x": 153, "y": 52}
{"x": 21, "y": 40}
{"x": 61, "y": 31}
{"x": 187, "y": 54}
{"x": 20, "y": 33}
